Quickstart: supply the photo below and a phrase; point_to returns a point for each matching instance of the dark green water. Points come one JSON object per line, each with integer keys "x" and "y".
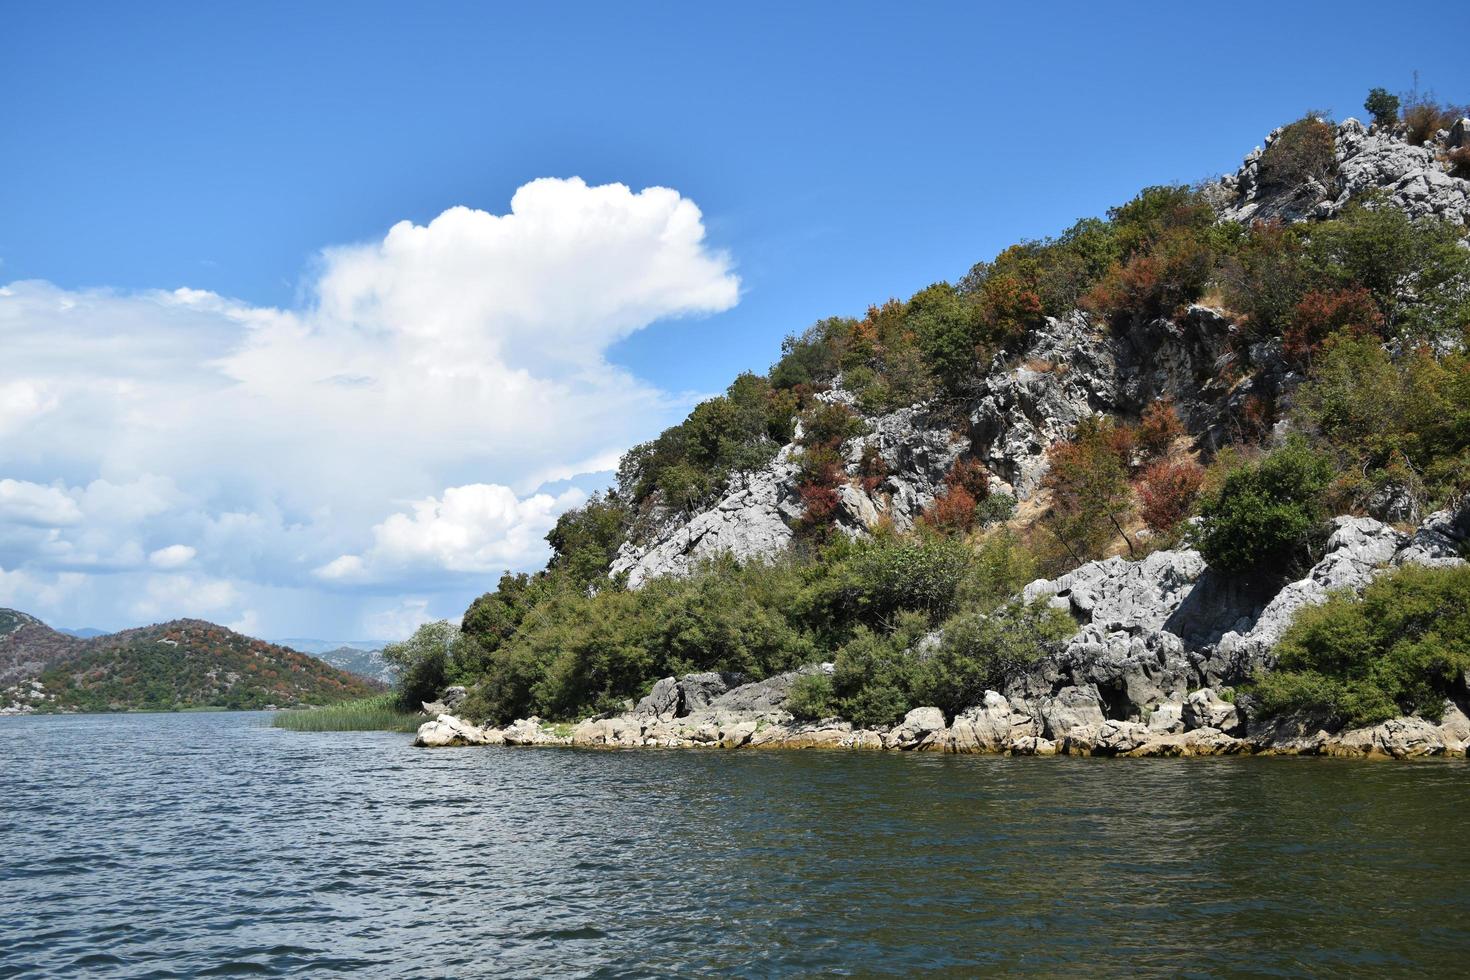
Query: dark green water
{"x": 184, "y": 845}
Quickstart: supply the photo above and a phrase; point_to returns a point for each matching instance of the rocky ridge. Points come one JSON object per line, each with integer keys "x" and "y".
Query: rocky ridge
{"x": 1071, "y": 368}
{"x": 1413, "y": 178}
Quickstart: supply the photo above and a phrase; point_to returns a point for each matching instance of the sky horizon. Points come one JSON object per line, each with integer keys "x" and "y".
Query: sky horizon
{"x": 311, "y": 324}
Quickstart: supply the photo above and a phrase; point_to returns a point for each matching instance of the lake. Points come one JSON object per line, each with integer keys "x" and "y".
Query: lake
{"x": 210, "y": 844}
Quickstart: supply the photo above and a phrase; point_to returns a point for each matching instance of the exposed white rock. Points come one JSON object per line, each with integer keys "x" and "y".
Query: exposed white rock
{"x": 1412, "y": 177}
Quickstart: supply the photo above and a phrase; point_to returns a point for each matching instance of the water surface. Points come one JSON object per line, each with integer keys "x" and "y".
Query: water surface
{"x": 207, "y": 844}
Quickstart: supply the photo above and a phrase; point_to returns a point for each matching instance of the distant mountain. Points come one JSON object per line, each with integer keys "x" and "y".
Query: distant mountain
{"x": 363, "y": 663}
{"x": 316, "y": 646}
{"x": 186, "y": 663}
{"x": 85, "y": 633}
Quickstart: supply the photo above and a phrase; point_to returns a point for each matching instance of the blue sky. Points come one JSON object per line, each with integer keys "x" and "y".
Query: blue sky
{"x": 838, "y": 154}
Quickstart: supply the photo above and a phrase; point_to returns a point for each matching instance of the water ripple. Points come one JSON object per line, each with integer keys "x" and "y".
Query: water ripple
{"x": 209, "y": 845}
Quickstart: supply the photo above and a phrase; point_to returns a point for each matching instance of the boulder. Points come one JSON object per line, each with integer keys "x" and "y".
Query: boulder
{"x": 1397, "y": 738}
{"x": 1070, "y": 712}
{"x": 447, "y": 730}
{"x": 662, "y": 701}
{"x": 1167, "y": 718}
{"x": 676, "y": 697}
{"x": 529, "y": 731}
{"x": 993, "y": 726}
{"x": 919, "y": 727}
{"x": 764, "y": 697}
{"x": 1206, "y": 709}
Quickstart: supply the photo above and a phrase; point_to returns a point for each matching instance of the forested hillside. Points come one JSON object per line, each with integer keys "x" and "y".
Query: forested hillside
{"x": 186, "y": 663}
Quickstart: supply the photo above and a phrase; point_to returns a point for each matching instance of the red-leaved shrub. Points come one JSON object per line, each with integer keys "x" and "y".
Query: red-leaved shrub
{"x": 1158, "y": 429}
{"x": 1319, "y": 315}
{"x": 1166, "y": 493}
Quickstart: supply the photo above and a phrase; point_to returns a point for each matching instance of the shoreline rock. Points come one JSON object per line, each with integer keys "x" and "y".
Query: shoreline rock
{"x": 996, "y": 728}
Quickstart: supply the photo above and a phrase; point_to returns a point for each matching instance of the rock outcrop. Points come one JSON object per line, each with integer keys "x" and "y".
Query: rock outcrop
{"x": 1413, "y": 178}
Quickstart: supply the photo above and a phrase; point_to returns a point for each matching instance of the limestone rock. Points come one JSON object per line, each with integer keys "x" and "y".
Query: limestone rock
{"x": 992, "y": 726}
{"x": 767, "y": 696}
{"x": 919, "y": 727}
{"x": 1206, "y": 709}
{"x": 1412, "y": 177}
{"x": 1069, "y": 711}
{"x": 447, "y": 730}
{"x": 1397, "y": 738}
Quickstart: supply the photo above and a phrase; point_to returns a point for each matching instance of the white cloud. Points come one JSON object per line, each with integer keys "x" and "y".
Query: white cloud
{"x": 36, "y": 505}
{"x": 468, "y": 353}
{"x": 185, "y": 596}
{"x": 479, "y": 527}
{"x": 399, "y": 621}
{"x": 174, "y": 556}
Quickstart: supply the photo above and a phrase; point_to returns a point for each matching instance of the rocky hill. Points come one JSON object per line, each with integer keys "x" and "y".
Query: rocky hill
{"x": 368, "y": 664}
{"x": 1033, "y": 394}
{"x": 1086, "y": 499}
{"x": 185, "y": 663}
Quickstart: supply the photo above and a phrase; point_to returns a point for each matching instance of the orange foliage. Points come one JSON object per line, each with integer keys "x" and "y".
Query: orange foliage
{"x": 1319, "y": 315}
{"x": 1166, "y": 493}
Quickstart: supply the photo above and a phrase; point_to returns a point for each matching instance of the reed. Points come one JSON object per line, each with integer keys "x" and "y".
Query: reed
{"x": 375, "y": 714}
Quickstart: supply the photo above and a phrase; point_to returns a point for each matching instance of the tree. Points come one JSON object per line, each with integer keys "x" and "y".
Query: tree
{"x": 1383, "y": 106}
{"x": 585, "y": 540}
{"x": 421, "y": 662}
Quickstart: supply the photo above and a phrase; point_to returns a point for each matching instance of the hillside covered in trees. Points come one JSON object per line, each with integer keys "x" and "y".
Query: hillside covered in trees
{"x": 185, "y": 663}
{"x": 1224, "y": 388}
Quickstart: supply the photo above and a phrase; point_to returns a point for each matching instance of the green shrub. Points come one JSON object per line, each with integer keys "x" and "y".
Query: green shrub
{"x": 997, "y": 508}
{"x": 981, "y": 652}
{"x": 1415, "y": 269}
{"x": 1378, "y": 414}
{"x": 811, "y": 697}
{"x": 874, "y": 674}
{"x": 873, "y": 581}
{"x": 1399, "y": 649}
{"x": 1266, "y": 516}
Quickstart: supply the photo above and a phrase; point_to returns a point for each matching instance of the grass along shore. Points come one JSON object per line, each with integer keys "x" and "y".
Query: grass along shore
{"x": 378, "y": 713}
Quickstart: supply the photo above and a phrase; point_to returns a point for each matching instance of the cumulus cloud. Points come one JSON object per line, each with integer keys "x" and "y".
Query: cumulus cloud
{"x": 33, "y": 504}
{"x": 480, "y": 527}
{"x": 173, "y": 556}
{"x": 468, "y": 353}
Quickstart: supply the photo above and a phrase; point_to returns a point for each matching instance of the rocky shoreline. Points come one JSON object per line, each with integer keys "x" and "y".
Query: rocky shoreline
{"x": 1202, "y": 724}
{"x": 1161, "y": 648}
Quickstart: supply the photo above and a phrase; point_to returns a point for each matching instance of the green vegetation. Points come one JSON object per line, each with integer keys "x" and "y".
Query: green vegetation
{"x": 1383, "y": 107}
{"x": 379, "y": 713}
{"x": 1267, "y": 515}
{"x": 192, "y": 664}
{"x": 1399, "y": 649}
{"x": 575, "y": 652}
{"x": 1303, "y": 151}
